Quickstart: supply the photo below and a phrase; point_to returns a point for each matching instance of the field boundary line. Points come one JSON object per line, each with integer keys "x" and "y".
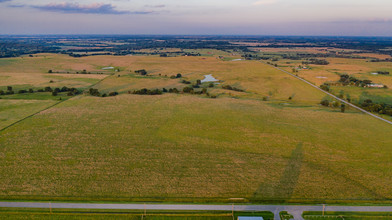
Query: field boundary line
{"x": 333, "y": 96}
{"x": 49, "y": 107}
{"x": 29, "y": 116}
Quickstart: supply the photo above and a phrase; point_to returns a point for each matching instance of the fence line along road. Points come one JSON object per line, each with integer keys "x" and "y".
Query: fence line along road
{"x": 333, "y": 96}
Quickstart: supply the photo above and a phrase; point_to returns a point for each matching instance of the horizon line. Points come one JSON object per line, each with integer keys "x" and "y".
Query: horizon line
{"x": 200, "y": 35}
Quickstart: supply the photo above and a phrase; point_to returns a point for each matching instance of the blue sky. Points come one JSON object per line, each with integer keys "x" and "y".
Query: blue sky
{"x": 238, "y": 17}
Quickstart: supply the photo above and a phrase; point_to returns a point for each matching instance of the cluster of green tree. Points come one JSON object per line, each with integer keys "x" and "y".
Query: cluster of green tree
{"x": 148, "y": 92}
{"x": 15, "y": 46}
{"x": 142, "y": 72}
{"x": 229, "y": 87}
{"x": 273, "y": 64}
{"x": 185, "y": 81}
{"x": 329, "y": 54}
{"x": 334, "y": 104}
{"x": 95, "y": 92}
{"x": 382, "y": 108}
{"x": 188, "y": 89}
{"x": 81, "y": 72}
{"x": 197, "y": 84}
{"x": 54, "y": 91}
{"x": 191, "y": 90}
{"x": 161, "y": 54}
{"x": 381, "y": 60}
{"x": 315, "y": 61}
{"x": 171, "y": 90}
{"x": 249, "y": 56}
{"x": 346, "y": 79}
{"x": 9, "y": 91}
{"x": 325, "y": 87}
{"x": 77, "y": 55}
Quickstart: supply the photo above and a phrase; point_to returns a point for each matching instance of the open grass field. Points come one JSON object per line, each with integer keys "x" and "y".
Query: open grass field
{"x": 182, "y": 147}
{"x": 14, "y": 110}
{"x": 27, "y": 213}
{"x": 257, "y": 79}
{"x": 175, "y": 147}
{"x": 348, "y": 215}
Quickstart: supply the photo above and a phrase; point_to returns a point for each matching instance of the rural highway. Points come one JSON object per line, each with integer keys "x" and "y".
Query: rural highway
{"x": 330, "y": 94}
{"x": 295, "y": 210}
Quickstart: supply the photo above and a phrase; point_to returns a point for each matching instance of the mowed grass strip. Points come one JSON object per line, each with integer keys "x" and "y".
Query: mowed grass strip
{"x": 30, "y": 213}
{"x": 184, "y": 147}
{"x": 347, "y": 215}
{"x": 14, "y": 110}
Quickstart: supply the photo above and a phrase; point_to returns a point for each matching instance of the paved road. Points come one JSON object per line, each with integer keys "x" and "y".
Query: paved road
{"x": 341, "y": 100}
{"x": 295, "y": 210}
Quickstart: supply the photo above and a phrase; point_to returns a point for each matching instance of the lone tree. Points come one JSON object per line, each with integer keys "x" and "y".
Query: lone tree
{"x": 325, "y": 87}
{"x": 342, "y": 108}
{"x": 94, "y": 92}
{"x": 142, "y": 72}
{"x": 324, "y": 102}
{"x": 188, "y": 90}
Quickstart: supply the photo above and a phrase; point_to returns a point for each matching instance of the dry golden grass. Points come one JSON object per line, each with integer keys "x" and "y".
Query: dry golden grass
{"x": 292, "y": 49}
{"x": 188, "y": 147}
{"x": 14, "y": 110}
{"x": 256, "y": 78}
{"x": 81, "y": 76}
{"x": 373, "y": 55}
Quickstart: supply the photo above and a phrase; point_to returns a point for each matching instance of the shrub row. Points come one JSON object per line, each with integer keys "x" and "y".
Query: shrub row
{"x": 228, "y": 87}
{"x": 54, "y": 91}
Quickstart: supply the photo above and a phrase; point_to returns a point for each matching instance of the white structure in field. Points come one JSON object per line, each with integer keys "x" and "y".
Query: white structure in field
{"x": 249, "y": 218}
{"x": 374, "y": 85}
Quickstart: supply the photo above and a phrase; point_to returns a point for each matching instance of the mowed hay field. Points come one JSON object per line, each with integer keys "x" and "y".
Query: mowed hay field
{"x": 180, "y": 147}
{"x": 187, "y": 147}
{"x": 14, "y": 110}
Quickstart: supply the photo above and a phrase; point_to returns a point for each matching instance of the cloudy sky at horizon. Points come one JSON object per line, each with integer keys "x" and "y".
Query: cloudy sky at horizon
{"x": 237, "y": 17}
